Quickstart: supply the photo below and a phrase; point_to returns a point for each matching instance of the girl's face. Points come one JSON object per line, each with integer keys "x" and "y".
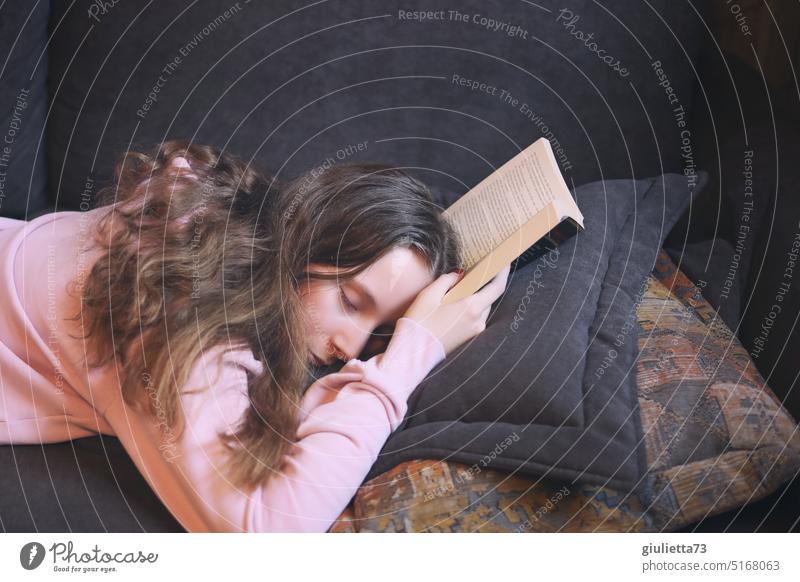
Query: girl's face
{"x": 342, "y": 314}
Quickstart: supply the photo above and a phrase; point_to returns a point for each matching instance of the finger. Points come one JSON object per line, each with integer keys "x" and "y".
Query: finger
{"x": 494, "y": 288}
{"x": 442, "y": 284}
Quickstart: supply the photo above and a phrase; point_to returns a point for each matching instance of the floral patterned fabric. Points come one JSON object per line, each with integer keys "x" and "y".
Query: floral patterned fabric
{"x": 716, "y": 438}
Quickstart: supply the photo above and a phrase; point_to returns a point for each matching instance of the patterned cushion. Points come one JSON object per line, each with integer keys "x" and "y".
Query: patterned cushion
{"x": 715, "y": 434}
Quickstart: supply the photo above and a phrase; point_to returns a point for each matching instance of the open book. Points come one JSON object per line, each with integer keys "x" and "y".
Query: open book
{"x": 516, "y": 214}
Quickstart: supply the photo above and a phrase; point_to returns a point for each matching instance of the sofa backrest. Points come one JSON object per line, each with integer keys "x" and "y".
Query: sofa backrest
{"x": 23, "y": 106}
{"x": 449, "y": 89}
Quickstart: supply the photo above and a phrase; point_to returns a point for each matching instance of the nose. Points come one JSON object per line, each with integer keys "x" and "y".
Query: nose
{"x": 351, "y": 340}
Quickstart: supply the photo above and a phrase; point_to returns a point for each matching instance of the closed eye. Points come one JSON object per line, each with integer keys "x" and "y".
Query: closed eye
{"x": 345, "y": 300}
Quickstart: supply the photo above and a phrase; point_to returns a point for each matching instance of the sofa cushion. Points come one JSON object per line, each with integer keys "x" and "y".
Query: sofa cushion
{"x": 548, "y": 389}
{"x": 716, "y": 438}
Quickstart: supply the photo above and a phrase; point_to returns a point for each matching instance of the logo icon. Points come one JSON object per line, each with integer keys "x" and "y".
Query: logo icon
{"x": 31, "y": 555}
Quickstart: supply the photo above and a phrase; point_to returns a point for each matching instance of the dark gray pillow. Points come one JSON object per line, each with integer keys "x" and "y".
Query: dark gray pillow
{"x": 548, "y": 388}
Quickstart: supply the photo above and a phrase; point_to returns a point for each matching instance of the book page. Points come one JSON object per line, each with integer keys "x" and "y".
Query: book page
{"x": 501, "y": 204}
{"x": 503, "y": 254}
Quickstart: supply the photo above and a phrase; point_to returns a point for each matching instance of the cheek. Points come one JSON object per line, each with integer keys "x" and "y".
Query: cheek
{"x": 318, "y": 308}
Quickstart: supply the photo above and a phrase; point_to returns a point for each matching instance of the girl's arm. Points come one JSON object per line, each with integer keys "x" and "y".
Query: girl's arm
{"x": 345, "y": 420}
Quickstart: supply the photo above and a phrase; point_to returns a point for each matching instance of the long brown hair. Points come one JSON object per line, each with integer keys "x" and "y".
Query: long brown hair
{"x": 217, "y": 260}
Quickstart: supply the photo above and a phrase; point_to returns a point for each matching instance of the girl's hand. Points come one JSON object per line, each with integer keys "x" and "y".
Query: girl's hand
{"x": 457, "y": 322}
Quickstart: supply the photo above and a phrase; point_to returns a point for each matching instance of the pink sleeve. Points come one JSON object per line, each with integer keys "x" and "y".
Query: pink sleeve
{"x": 344, "y": 424}
{"x": 345, "y": 419}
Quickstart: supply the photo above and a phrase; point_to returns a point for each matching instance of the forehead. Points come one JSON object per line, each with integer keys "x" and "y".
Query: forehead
{"x": 399, "y": 265}
{"x": 394, "y": 280}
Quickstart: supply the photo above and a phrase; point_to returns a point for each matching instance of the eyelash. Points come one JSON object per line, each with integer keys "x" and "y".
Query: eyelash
{"x": 346, "y": 301}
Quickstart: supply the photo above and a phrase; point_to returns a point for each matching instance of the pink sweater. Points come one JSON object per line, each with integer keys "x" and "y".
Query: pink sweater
{"x": 46, "y": 396}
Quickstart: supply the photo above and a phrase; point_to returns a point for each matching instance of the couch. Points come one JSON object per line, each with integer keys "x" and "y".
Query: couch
{"x": 288, "y": 86}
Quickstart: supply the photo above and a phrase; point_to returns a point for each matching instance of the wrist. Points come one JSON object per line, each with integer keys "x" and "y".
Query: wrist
{"x": 431, "y": 341}
{"x": 411, "y": 354}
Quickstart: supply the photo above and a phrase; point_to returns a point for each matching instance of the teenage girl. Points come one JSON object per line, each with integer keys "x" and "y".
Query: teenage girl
{"x": 189, "y": 311}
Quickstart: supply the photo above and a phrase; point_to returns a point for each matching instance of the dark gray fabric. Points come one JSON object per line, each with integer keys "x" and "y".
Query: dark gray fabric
{"x": 737, "y": 247}
{"x": 290, "y": 83}
{"x": 551, "y": 391}
{"x": 87, "y": 485}
{"x": 23, "y": 106}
